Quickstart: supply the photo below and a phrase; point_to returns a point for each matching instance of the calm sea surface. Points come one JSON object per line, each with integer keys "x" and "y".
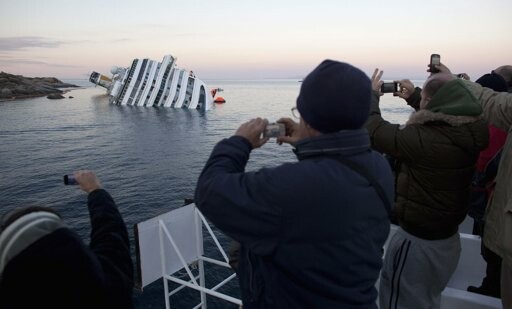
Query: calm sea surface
{"x": 147, "y": 158}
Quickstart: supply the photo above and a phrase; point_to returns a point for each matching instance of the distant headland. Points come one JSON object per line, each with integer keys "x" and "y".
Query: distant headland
{"x": 14, "y": 87}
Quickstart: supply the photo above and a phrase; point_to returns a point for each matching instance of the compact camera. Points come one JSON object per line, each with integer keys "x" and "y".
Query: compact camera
{"x": 434, "y": 60}
{"x": 391, "y": 87}
{"x": 274, "y": 130}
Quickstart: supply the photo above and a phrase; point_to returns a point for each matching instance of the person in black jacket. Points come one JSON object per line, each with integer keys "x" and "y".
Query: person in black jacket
{"x": 312, "y": 231}
{"x": 44, "y": 264}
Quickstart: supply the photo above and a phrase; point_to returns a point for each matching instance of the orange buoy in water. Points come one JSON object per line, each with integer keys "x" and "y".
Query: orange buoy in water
{"x": 219, "y": 100}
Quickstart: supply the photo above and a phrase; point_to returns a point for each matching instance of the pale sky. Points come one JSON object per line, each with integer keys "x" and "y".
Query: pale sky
{"x": 240, "y": 39}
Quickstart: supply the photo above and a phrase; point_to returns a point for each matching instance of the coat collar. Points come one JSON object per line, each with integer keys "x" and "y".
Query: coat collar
{"x": 345, "y": 142}
{"x": 423, "y": 116}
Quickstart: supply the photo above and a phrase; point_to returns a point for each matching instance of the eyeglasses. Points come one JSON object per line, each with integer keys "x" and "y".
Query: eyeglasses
{"x": 295, "y": 112}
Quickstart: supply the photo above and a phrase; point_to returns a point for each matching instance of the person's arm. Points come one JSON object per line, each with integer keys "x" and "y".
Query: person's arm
{"x": 497, "y": 105}
{"x": 386, "y": 137}
{"x": 237, "y": 202}
{"x": 109, "y": 240}
{"x": 382, "y": 133}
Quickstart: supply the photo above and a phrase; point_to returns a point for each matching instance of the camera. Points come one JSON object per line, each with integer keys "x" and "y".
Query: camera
{"x": 434, "y": 60}
{"x": 391, "y": 87}
{"x": 69, "y": 180}
{"x": 274, "y": 130}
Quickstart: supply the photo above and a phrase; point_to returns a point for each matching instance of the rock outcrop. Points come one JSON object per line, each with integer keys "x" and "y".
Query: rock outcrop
{"x": 17, "y": 86}
{"x": 55, "y": 96}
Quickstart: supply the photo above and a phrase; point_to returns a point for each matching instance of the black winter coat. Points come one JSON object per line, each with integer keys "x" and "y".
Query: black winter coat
{"x": 60, "y": 271}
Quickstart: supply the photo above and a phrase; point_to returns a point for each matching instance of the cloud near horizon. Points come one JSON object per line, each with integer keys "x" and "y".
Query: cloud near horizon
{"x": 36, "y": 62}
{"x": 26, "y": 42}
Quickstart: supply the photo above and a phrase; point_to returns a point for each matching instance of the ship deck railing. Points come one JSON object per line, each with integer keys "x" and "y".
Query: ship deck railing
{"x": 170, "y": 246}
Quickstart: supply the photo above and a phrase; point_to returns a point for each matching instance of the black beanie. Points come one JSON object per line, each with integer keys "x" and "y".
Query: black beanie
{"x": 335, "y": 96}
{"x": 494, "y": 81}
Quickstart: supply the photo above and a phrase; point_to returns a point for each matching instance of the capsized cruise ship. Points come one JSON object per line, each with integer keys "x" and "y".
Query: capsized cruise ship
{"x": 151, "y": 83}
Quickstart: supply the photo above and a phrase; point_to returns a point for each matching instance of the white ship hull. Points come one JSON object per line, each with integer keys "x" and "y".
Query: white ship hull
{"x": 151, "y": 83}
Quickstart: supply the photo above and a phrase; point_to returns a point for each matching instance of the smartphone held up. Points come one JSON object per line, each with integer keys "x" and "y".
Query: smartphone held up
{"x": 435, "y": 59}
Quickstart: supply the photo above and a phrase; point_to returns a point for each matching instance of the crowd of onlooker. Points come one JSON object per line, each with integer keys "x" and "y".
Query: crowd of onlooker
{"x": 310, "y": 233}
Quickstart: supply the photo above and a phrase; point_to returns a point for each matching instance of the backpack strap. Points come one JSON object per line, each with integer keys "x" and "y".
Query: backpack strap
{"x": 371, "y": 179}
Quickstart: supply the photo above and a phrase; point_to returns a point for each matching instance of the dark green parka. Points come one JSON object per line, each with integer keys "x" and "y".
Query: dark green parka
{"x": 437, "y": 150}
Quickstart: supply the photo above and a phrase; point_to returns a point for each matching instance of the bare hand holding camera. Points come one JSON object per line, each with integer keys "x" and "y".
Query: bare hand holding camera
{"x": 435, "y": 65}
{"x": 406, "y": 89}
{"x": 87, "y": 180}
{"x": 292, "y": 134}
{"x": 252, "y": 131}
{"x": 442, "y": 69}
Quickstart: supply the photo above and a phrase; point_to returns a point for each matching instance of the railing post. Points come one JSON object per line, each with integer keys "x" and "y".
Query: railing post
{"x": 164, "y": 272}
{"x": 199, "y": 248}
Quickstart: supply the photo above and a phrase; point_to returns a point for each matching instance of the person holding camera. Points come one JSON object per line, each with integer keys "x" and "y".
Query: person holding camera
{"x": 483, "y": 188}
{"x": 45, "y": 264}
{"x": 437, "y": 150}
{"x": 497, "y": 107}
{"x": 312, "y": 231}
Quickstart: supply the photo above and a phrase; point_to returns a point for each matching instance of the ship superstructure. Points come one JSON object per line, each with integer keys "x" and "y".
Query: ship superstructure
{"x": 151, "y": 83}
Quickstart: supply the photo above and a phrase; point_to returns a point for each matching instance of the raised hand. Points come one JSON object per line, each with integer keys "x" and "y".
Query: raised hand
{"x": 405, "y": 90}
{"x": 442, "y": 69}
{"x": 376, "y": 81}
{"x": 87, "y": 180}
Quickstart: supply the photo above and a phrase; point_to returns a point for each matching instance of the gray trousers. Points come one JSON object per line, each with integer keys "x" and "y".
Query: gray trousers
{"x": 416, "y": 271}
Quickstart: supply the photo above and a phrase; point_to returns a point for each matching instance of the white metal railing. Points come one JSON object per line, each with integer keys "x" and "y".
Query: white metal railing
{"x": 172, "y": 240}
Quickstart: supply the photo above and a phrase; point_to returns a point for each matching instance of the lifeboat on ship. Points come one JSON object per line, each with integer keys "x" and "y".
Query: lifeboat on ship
{"x": 218, "y": 100}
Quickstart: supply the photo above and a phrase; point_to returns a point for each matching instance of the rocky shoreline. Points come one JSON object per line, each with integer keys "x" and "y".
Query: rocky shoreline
{"x": 14, "y": 87}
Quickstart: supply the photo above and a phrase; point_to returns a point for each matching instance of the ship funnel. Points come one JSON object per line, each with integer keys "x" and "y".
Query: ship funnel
{"x": 101, "y": 80}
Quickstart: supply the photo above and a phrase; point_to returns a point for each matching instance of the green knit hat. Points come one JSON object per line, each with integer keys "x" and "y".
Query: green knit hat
{"x": 455, "y": 99}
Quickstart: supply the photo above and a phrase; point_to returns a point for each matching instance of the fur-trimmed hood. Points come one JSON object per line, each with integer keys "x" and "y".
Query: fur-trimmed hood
{"x": 423, "y": 116}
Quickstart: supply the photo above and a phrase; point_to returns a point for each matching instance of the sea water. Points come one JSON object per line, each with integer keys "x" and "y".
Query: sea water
{"x": 147, "y": 158}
